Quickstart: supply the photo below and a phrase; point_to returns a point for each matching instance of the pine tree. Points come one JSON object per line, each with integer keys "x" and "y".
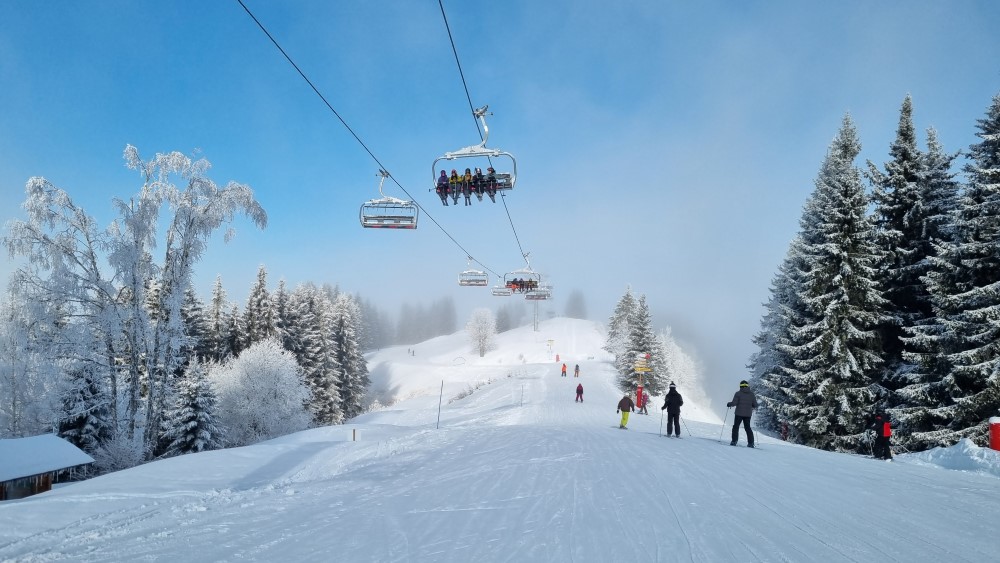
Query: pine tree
{"x": 835, "y": 349}
{"x": 86, "y": 418}
{"x": 962, "y": 345}
{"x": 284, "y": 321}
{"x": 217, "y": 325}
{"x": 920, "y": 392}
{"x": 190, "y": 426}
{"x": 258, "y": 315}
{"x": 195, "y": 329}
{"x": 236, "y": 332}
{"x": 772, "y": 367}
{"x": 900, "y": 226}
{"x": 642, "y": 341}
{"x": 353, "y": 375}
{"x": 315, "y": 352}
{"x": 619, "y": 329}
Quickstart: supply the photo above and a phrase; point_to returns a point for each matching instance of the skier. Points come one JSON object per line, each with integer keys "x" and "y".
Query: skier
{"x": 883, "y": 431}
{"x": 625, "y": 406}
{"x": 564, "y": 370}
{"x": 672, "y": 404}
{"x": 576, "y": 371}
{"x": 579, "y": 393}
{"x": 442, "y": 187}
{"x": 745, "y": 402}
{"x": 641, "y": 400}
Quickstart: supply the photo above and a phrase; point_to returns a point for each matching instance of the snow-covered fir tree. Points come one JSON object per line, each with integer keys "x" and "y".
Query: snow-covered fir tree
{"x": 258, "y": 314}
{"x": 835, "y": 347}
{"x": 236, "y": 333}
{"x": 353, "y": 374}
{"x": 190, "y": 425}
{"x": 962, "y": 346}
{"x": 316, "y": 354}
{"x": 85, "y": 419}
{"x": 642, "y": 341}
{"x": 284, "y": 321}
{"x": 900, "y": 231}
{"x": 920, "y": 394}
{"x": 619, "y": 329}
{"x": 772, "y": 368}
{"x": 195, "y": 329}
{"x": 217, "y": 325}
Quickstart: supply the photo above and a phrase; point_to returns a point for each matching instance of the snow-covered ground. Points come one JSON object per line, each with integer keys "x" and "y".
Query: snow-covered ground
{"x": 517, "y": 472}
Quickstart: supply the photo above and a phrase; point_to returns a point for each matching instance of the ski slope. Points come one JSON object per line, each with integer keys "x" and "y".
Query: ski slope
{"x": 516, "y": 472}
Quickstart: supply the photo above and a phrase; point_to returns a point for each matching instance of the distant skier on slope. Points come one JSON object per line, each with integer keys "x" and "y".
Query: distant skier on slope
{"x": 576, "y": 371}
{"x": 579, "y": 393}
{"x": 745, "y": 402}
{"x": 564, "y": 370}
{"x": 672, "y": 404}
{"x": 625, "y": 406}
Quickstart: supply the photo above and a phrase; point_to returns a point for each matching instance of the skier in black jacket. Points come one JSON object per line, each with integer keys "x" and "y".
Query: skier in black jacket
{"x": 672, "y": 404}
{"x": 745, "y": 402}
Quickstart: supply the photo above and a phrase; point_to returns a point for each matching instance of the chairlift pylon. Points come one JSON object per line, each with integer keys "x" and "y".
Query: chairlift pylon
{"x": 388, "y": 212}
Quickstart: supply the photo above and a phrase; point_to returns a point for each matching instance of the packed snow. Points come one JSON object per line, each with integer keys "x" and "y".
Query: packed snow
{"x": 515, "y": 470}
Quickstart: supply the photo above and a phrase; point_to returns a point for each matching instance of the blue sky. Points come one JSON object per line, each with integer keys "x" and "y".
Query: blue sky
{"x": 667, "y": 145}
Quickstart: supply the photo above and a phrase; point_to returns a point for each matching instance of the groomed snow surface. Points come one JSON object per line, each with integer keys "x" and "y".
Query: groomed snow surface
{"x": 518, "y": 472}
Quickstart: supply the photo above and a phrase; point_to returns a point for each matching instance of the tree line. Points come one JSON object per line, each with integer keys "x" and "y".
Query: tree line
{"x": 888, "y": 299}
{"x": 103, "y": 339}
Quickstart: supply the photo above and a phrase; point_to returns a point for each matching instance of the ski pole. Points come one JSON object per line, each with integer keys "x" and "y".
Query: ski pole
{"x": 661, "y": 422}
{"x": 724, "y": 423}
{"x": 689, "y": 430}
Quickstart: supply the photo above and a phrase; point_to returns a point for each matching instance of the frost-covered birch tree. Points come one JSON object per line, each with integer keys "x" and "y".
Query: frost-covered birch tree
{"x": 119, "y": 311}
{"x": 482, "y": 330}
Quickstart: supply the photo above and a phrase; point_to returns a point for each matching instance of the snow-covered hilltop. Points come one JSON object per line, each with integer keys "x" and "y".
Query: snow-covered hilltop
{"x": 517, "y": 471}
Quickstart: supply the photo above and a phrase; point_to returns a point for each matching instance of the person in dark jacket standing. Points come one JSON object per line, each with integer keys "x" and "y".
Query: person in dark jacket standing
{"x": 745, "y": 402}
{"x": 672, "y": 404}
{"x": 625, "y": 406}
{"x": 579, "y": 393}
{"x": 883, "y": 431}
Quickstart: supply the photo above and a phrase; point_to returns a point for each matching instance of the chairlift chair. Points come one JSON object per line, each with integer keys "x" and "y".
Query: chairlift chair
{"x": 388, "y": 212}
{"x": 473, "y": 278}
{"x": 502, "y": 291}
{"x": 522, "y": 281}
{"x": 505, "y": 180}
{"x": 540, "y": 293}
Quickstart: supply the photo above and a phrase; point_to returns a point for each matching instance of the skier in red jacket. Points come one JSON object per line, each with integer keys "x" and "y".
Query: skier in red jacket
{"x": 579, "y": 393}
{"x": 883, "y": 431}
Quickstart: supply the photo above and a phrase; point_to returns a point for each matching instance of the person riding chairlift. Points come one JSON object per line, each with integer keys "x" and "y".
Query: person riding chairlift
{"x": 442, "y": 187}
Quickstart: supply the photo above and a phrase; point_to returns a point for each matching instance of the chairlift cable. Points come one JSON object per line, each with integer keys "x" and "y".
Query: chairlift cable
{"x": 472, "y": 109}
{"x": 355, "y": 135}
